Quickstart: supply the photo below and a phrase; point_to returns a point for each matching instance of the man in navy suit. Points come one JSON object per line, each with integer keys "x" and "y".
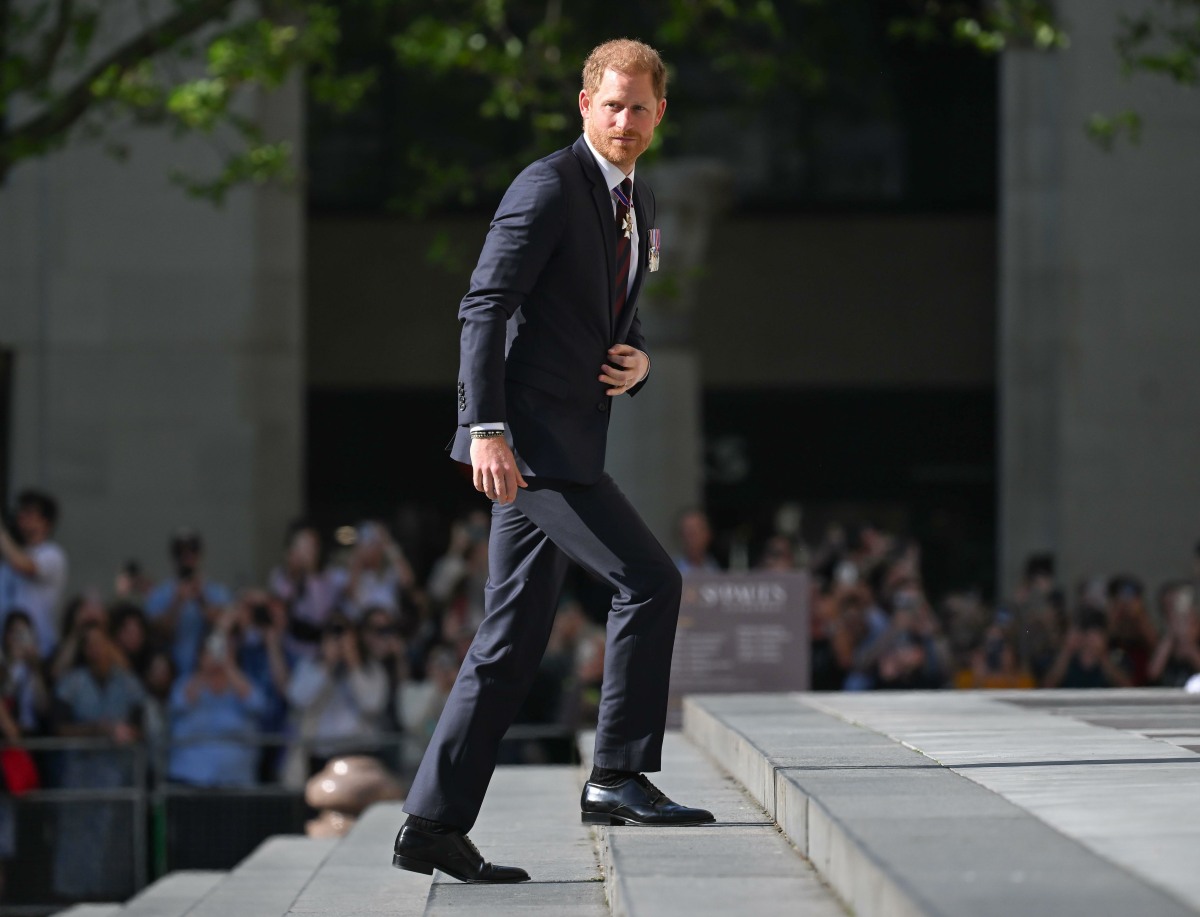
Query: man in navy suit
{"x": 550, "y": 338}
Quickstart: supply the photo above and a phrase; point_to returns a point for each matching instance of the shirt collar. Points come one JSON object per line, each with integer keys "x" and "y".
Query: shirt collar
{"x": 612, "y": 174}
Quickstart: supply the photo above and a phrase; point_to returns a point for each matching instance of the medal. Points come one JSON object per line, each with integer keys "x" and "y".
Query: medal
{"x": 627, "y": 224}
{"x": 655, "y": 248}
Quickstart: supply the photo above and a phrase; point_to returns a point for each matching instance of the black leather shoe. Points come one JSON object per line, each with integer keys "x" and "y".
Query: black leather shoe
{"x": 636, "y": 801}
{"x": 452, "y": 853}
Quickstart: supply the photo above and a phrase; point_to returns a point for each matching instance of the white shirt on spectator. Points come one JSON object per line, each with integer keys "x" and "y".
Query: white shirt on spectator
{"x": 38, "y": 595}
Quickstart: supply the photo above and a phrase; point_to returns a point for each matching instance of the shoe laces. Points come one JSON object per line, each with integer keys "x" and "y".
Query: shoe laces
{"x": 470, "y": 843}
{"x": 655, "y": 792}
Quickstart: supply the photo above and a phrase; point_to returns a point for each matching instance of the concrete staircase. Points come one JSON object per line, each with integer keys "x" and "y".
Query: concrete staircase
{"x": 741, "y": 865}
{"x": 890, "y": 805}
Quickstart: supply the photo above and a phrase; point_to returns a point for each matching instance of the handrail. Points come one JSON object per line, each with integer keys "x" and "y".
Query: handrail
{"x": 516, "y": 733}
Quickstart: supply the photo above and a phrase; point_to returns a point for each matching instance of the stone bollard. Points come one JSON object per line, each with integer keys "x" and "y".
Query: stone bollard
{"x": 343, "y": 789}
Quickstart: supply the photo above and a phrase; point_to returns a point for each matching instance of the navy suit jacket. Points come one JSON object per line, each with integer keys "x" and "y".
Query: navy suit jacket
{"x": 538, "y": 320}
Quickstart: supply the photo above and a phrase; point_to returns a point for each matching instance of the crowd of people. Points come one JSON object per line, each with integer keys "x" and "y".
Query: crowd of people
{"x": 338, "y": 651}
{"x": 875, "y": 627}
{"x": 350, "y": 650}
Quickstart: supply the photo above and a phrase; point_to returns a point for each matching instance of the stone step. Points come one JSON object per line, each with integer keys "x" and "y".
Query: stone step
{"x": 91, "y": 910}
{"x": 739, "y": 865}
{"x": 268, "y": 882}
{"x": 357, "y": 878}
{"x": 530, "y": 818}
{"x": 173, "y": 895}
{"x": 897, "y": 834}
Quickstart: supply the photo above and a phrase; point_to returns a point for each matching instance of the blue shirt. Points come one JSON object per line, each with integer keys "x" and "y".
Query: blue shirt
{"x": 191, "y": 625}
{"x": 255, "y": 663}
{"x": 210, "y": 728}
{"x": 115, "y": 699}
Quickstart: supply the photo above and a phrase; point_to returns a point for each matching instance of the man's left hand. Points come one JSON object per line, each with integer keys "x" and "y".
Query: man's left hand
{"x": 626, "y": 367}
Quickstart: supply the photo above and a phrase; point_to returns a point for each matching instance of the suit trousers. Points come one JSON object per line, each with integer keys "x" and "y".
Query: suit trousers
{"x": 532, "y": 539}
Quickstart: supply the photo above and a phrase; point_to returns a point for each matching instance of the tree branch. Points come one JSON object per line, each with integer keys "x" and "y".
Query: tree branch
{"x": 42, "y": 68}
{"x": 61, "y": 114}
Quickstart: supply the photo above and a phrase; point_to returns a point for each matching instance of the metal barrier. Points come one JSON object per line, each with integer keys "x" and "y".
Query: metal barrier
{"x": 159, "y": 811}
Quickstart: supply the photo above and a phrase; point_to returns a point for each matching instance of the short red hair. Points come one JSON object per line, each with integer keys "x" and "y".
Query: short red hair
{"x": 625, "y": 56}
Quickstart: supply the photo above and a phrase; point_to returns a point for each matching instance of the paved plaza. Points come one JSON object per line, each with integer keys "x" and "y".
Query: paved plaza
{"x": 880, "y": 805}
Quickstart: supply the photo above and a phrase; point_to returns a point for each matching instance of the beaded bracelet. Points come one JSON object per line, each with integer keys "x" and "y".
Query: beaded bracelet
{"x": 486, "y": 434}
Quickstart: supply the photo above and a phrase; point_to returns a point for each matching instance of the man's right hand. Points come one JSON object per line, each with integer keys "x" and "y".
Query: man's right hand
{"x": 495, "y": 469}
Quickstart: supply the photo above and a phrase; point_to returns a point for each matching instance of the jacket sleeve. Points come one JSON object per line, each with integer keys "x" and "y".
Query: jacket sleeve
{"x": 523, "y": 235}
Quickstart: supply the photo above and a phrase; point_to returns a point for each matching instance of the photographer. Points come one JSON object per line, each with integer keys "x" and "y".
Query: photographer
{"x": 913, "y": 655}
{"x": 212, "y": 712}
{"x": 340, "y": 696}
{"x": 23, "y": 688}
{"x": 33, "y": 572}
{"x": 309, "y": 591}
{"x": 1085, "y": 660}
{"x": 1177, "y": 657}
{"x": 183, "y": 608}
{"x": 100, "y": 698}
{"x": 378, "y": 573}
{"x": 265, "y": 658}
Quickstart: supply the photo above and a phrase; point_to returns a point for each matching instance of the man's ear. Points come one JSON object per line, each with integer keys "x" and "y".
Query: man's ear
{"x": 662, "y": 108}
{"x": 585, "y": 103}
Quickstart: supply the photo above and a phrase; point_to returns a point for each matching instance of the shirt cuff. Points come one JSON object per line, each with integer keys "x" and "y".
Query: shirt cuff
{"x": 486, "y": 426}
{"x": 647, "y": 375}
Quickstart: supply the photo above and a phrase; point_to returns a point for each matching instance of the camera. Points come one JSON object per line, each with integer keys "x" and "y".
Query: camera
{"x": 260, "y": 613}
{"x": 216, "y": 645}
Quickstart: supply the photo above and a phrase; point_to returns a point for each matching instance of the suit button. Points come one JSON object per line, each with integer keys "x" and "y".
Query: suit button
{"x": 602, "y": 406}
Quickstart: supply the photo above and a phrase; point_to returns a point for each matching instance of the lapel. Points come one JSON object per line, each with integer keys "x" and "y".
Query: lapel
{"x": 602, "y": 198}
{"x": 643, "y": 263}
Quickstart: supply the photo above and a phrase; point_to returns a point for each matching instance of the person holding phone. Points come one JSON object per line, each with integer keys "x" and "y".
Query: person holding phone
{"x": 214, "y": 716}
{"x": 340, "y": 695}
{"x": 33, "y": 567}
{"x": 185, "y": 606}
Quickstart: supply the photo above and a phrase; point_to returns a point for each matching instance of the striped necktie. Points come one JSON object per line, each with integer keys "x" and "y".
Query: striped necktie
{"x": 624, "y": 193}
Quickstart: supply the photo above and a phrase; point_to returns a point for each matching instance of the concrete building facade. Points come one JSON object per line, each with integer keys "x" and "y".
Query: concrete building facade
{"x": 158, "y": 345}
{"x": 1100, "y": 313}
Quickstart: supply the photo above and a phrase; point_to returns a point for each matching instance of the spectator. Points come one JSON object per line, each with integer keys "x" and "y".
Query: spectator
{"x": 851, "y": 626}
{"x": 575, "y": 660}
{"x": 450, "y": 569}
{"x": 130, "y": 631}
{"x": 383, "y": 644}
{"x": 214, "y": 719}
{"x": 695, "y": 539}
{"x": 1131, "y": 632}
{"x": 340, "y": 697}
{"x": 182, "y": 608}
{"x": 310, "y": 592}
{"x": 97, "y": 698}
{"x": 264, "y": 655}
{"x": 83, "y": 611}
{"x": 1177, "y": 657}
{"x": 158, "y": 680}
{"x": 23, "y": 688}
{"x": 33, "y": 573}
{"x": 131, "y": 584}
{"x": 1084, "y": 660}
{"x": 421, "y": 703}
{"x": 463, "y": 615}
{"x": 1044, "y": 628}
{"x": 912, "y": 654}
{"x": 995, "y": 664}
{"x": 779, "y": 554}
{"x": 378, "y": 573}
